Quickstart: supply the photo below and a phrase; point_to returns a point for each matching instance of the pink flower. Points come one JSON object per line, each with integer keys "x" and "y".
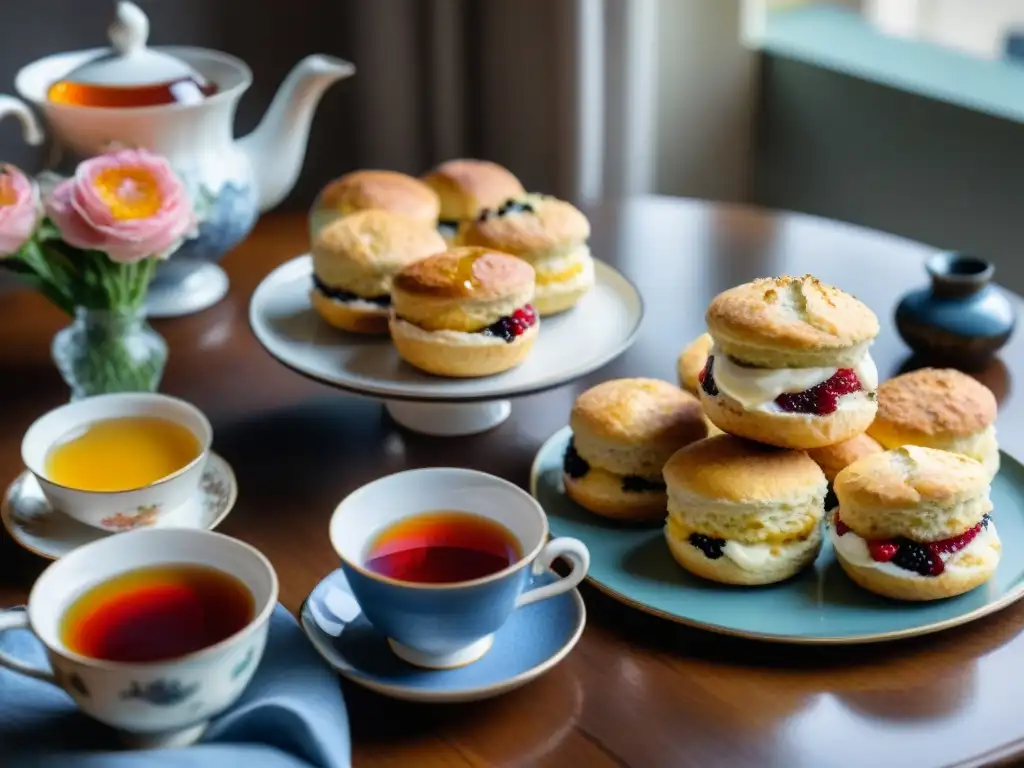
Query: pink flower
{"x": 129, "y": 204}
{"x": 19, "y": 209}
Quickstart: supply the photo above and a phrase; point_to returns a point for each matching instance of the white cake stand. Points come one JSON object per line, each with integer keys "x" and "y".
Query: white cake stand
{"x": 570, "y": 345}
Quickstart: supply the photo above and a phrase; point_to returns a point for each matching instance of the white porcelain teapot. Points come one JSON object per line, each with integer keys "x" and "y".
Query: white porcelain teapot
{"x": 231, "y": 180}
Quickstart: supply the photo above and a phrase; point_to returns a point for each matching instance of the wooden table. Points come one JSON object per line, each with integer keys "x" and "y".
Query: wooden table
{"x": 637, "y": 691}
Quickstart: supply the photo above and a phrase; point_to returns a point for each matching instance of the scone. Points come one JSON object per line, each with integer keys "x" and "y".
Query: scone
{"x": 790, "y": 364}
{"x": 743, "y": 513}
{"x": 834, "y": 458}
{"x": 463, "y": 313}
{"x": 913, "y": 524}
{"x": 691, "y": 362}
{"x": 552, "y": 235}
{"x": 362, "y": 190}
{"x": 355, "y": 259}
{"x": 465, "y": 188}
{"x": 938, "y": 408}
{"x": 624, "y": 431}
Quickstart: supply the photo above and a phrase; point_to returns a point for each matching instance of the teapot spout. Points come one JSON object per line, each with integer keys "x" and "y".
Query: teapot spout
{"x": 277, "y": 147}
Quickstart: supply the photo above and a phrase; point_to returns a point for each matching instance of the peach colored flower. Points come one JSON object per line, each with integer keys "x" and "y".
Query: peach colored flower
{"x": 19, "y": 209}
{"x": 129, "y": 204}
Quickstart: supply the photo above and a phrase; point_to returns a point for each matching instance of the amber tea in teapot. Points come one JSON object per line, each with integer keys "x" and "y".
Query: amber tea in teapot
{"x": 183, "y": 90}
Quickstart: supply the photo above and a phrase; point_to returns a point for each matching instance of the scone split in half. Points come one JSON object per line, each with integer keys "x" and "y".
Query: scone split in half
{"x": 355, "y": 259}
{"x": 743, "y": 513}
{"x": 913, "y": 524}
{"x": 466, "y": 187}
{"x": 938, "y": 408}
{"x": 463, "y": 313}
{"x": 624, "y": 431}
{"x": 548, "y": 233}
{"x": 790, "y": 365}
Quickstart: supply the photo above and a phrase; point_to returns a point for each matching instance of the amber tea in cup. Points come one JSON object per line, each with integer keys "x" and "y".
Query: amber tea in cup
{"x": 156, "y": 613}
{"x": 442, "y": 547}
{"x": 121, "y": 454}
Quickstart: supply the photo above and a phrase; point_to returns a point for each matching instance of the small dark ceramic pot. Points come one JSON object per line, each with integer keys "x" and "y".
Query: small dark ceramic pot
{"x": 962, "y": 319}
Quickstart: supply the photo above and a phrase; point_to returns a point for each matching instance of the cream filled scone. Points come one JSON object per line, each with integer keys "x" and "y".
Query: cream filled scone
{"x": 913, "y": 524}
{"x": 549, "y": 233}
{"x": 466, "y": 187}
{"x": 790, "y": 365}
{"x": 464, "y": 313}
{"x": 938, "y": 408}
{"x": 743, "y": 513}
{"x": 690, "y": 363}
{"x": 366, "y": 189}
{"x": 355, "y": 259}
{"x": 834, "y": 458}
{"x": 624, "y": 431}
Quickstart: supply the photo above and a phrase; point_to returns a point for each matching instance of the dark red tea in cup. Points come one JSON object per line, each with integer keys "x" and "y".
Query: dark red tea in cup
{"x": 442, "y": 548}
{"x": 156, "y": 613}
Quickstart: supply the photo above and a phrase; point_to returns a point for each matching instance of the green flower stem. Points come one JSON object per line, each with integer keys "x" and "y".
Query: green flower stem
{"x": 107, "y": 364}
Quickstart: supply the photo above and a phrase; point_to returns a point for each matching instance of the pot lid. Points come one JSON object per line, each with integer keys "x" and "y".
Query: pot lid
{"x": 130, "y": 63}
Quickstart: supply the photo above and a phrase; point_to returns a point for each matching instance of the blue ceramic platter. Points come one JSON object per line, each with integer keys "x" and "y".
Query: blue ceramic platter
{"x": 821, "y": 605}
{"x": 531, "y": 642}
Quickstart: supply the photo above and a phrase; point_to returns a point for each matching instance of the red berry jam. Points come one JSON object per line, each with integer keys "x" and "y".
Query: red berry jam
{"x": 512, "y": 326}
{"x": 922, "y": 558}
{"x": 706, "y": 378}
{"x": 824, "y": 398}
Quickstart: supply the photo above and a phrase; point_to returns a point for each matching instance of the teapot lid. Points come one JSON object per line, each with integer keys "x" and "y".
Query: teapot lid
{"x": 130, "y": 63}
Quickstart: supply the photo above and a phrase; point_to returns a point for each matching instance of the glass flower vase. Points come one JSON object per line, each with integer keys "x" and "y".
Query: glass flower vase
{"x": 106, "y": 350}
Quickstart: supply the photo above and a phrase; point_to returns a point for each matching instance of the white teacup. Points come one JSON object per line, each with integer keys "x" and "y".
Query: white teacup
{"x": 160, "y": 703}
{"x": 117, "y": 510}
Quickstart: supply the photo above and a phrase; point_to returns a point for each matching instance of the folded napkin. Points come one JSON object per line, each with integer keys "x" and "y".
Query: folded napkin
{"x": 292, "y": 715}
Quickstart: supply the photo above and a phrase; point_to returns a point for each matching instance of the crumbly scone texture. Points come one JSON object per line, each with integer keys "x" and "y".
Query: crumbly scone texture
{"x": 692, "y": 361}
{"x": 440, "y": 355}
{"x": 466, "y": 186}
{"x": 390, "y": 190}
{"x": 601, "y": 492}
{"x": 834, "y": 458}
{"x": 757, "y": 321}
{"x": 730, "y": 469}
{"x": 373, "y": 240}
{"x": 534, "y": 226}
{"x": 349, "y": 317}
{"x": 934, "y": 402}
{"x": 467, "y": 273}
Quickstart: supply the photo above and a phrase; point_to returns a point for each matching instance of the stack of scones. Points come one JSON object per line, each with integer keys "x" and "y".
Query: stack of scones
{"x": 457, "y": 267}
{"x": 785, "y": 378}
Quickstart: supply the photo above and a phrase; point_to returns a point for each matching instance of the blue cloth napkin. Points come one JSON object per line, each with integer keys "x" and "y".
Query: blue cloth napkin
{"x": 292, "y": 715}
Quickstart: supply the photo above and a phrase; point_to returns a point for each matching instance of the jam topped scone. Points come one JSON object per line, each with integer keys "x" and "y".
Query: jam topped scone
{"x": 938, "y": 408}
{"x": 624, "y": 431}
{"x": 834, "y": 458}
{"x": 386, "y": 190}
{"x": 691, "y": 362}
{"x": 464, "y": 313}
{"x": 913, "y": 524}
{"x": 790, "y": 364}
{"x": 551, "y": 235}
{"x": 466, "y": 187}
{"x": 355, "y": 259}
{"x": 743, "y": 513}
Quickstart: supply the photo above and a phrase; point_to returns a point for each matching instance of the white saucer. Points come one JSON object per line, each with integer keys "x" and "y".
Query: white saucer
{"x": 41, "y": 529}
{"x": 200, "y": 290}
{"x": 570, "y": 345}
{"x": 533, "y": 640}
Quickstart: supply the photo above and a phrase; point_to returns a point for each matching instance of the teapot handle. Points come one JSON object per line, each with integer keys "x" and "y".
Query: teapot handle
{"x": 31, "y": 131}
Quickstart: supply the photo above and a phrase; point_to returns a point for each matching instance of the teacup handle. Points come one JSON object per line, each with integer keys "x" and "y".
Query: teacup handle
{"x": 573, "y": 550}
{"x": 18, "y": 619}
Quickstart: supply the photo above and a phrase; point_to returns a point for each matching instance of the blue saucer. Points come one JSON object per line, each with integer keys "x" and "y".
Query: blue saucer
{"x": 822, "y": 605}
{"x": 533, "y": 640}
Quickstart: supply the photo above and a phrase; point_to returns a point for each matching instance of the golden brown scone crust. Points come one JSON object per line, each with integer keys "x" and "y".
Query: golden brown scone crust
{"x": 933, "y": 403}
{"x": 361, "y": 252}
{"x": 776, "y": 322}
{"x": 390, "y": 190}
{"x": 692, "y": 361}
{"x": 466, "y": 273}
{"x": 633, "y": 426}
{"x": 441, "y": 356}
{"x": 349, "y": 317}
{"x": 553, "y": 226}
{"x": 790, "y": 430}
{"x": 834, "y": 458}
{"x": 601, "y": 492}
{"x": 730, "y": 469}
{"x": 466, "y": 186}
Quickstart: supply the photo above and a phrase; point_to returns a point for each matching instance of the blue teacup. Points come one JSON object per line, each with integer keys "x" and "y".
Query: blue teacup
{"x": 440, "y": 626}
